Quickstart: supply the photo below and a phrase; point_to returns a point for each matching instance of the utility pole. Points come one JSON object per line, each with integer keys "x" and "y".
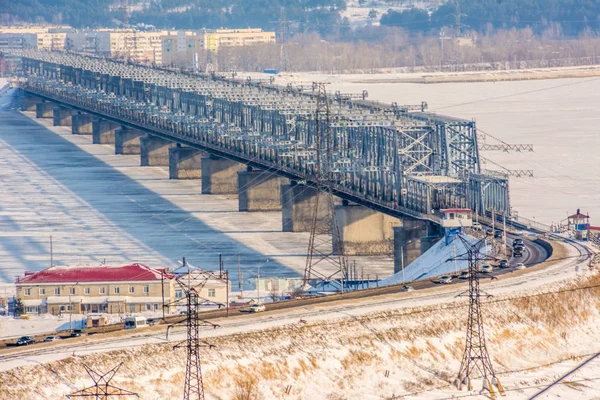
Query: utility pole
{"x": 325, "y": 245}
{"x": 51, "y": 253}
{"x": 239, "y": 274}
{"x": 162, "y": 284}
{"x": 504, "y": 250}
{"x": 476, "y": 358}
{"x": 258, "y": 284}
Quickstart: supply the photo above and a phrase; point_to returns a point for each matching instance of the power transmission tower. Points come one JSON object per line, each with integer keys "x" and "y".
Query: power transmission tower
{"x": 283, "y": 32}
{"x": 326, "y": 260}
{"x": 102, "y": 389}
{"x": 476, "y": 356}
{"x": 193, "y": 386}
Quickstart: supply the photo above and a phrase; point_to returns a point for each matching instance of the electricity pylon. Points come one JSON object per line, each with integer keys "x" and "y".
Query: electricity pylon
{"x": 476, "y": 357}
{"x": 326, "y": 260}
{"x": 102, "y": 389}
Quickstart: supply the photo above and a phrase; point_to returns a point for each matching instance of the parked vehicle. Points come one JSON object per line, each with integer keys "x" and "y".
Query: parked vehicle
{"x": 476, "y": 226}
{"x": 464, "y": 275}
{"x": 503, "y": 264}
{"x": 499, "y": 234}
{"x": 52, "y": 338}
{"x": 78, "y": 332}
{"x": 256, "y": 308}
{"x": 407, "y": 288}
{"x": 25, "y": 340}
{"x": 445, "y": 279}
{"x": 520, "y": 266}
{"x": 135, "y": 322}
{"x": 487, "y": 269}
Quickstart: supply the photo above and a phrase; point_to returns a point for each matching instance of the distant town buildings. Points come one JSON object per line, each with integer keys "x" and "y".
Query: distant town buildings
{"x": 168, "y": 48}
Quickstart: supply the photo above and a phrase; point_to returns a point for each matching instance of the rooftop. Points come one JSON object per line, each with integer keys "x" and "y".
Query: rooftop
{"x": 100, "y": 273}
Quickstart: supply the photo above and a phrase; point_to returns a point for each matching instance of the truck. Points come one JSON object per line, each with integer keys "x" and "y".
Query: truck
{"x": 135, "y": 322}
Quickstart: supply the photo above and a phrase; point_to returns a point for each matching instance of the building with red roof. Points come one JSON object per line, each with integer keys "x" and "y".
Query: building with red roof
{"x": 121, "y": 289}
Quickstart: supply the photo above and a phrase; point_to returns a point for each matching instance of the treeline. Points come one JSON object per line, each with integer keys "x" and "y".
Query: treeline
{"x": 572, "y": 16}
{"x": 321, "y": 16}
{"x": 505, "y": 49}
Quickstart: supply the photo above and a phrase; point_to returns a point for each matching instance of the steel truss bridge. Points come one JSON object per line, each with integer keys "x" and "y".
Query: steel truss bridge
{"x": 397, "y": 159}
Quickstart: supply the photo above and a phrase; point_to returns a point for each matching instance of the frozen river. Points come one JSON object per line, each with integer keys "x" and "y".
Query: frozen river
{"x": 559, "y": 117}
{"x": 102, "y": 207}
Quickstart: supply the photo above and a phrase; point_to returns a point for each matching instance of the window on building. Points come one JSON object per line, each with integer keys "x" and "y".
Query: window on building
{"x": 102, "y": 290}
{"x": 155, "y": 307}
{"x": 31, "y": 310}
{"x": 117, "y": 290}
{"x": 212, "y": 293}
{"x": 57, "y": 291}
{"x": 131, "y": 289}
{"x": 146, "y": 289}
{"x": 179, "y": 294}
{"x": 86, "y": 290}
{"x": 148, "y": 307}
{"x": 42, "y": 291}
{"x": 27, "y": 292}
{"x": 72, "y": 290}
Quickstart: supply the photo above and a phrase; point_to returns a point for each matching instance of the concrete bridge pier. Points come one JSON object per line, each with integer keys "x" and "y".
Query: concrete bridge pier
{"x": 185, "y": 162}
{"x": 259, "y": 190}
{"x": 82, "y": 124}
{"x": 29, "y": 103}
{"x": 127, "y": 141}
{"x": 365, "y": 231}
{"x": 219, "y": 175}
{"x": 62, "y": 116}
{"x": 44, "y": 110}
{"x": 103, "y": 131}
{"x": 298, "y": 206}
{"x": 411, "y": 239}
{"x": 154, "y": 151}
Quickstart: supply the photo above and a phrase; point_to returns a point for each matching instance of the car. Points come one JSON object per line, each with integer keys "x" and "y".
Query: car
{"x": 407, "y": 288}
{"x": 476, "y": 225}
{"x": 78, "y": 333}
{"x": 153, "y": 321}
{"x": 25, "y": 340}
{"x": 503, "y": 264}
{"x": 498, "y": 234}
{"x": 464, "y": 275}
{"x": 489, "y": 232}
{"x": 184, "y": 312}
{"x": 520, "y": 266}
{"x": 517, "y": 241}
{"x": 52, "y": 338}
{"x": 445, "y": 279}
{"x": 519, "y": 246}
{"x": 517, "y": 254}
{"x": 487, "y": 269}
{"x": 256, "y": 308}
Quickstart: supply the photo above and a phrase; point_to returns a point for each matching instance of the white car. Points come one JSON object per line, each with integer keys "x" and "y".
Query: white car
{"x": 464, "y": 275}
{"x": 487, "y": 269}
{"x": 407, "y": 288}
{"x": 476, "y": 225}
{"x": 255, "y": 308}
{"x": 520, "y": 266}
{"x": 52, "y": 338}
{"x": 445, "y": 279}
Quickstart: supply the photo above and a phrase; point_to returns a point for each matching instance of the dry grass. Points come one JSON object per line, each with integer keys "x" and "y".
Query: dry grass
{"x": 246, "y": 388}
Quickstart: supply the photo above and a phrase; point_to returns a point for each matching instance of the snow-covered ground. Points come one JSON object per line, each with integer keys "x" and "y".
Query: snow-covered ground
{"x": 365, "y": 349}
{"x": 441, "y": 258}
{"x": 557, "y": 116}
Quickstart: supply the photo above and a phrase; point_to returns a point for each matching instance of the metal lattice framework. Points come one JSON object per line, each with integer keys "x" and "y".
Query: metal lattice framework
{"x": 376, "y": 148}
{"x": 190, "y": 282}
{"x": 102, "y": 389}
{"x": 326, "y": 258}
{"x": 476, "y": 358}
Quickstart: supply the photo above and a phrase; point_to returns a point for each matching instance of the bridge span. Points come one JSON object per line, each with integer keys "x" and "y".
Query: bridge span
{"x": 392, "y": 166}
